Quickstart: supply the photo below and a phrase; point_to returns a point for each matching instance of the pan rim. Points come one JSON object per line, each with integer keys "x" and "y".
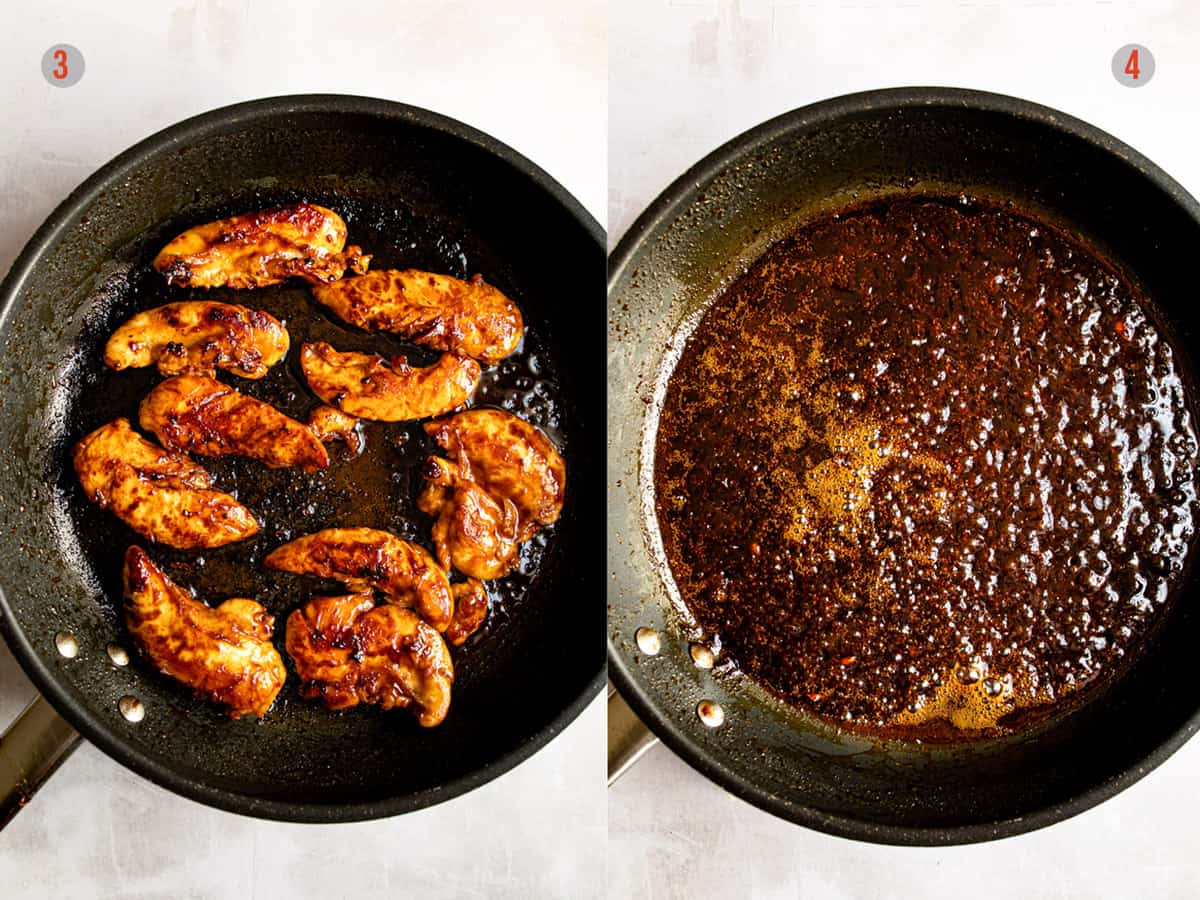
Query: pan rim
{"x": 669, "y": 204}
{"x": 85, "y": 720}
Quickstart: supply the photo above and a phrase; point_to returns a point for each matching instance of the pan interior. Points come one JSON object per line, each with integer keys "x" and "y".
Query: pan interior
{"x": 415, "y": 196}
{"x": 703, "y": 233}
{"x": 743, "y": 560}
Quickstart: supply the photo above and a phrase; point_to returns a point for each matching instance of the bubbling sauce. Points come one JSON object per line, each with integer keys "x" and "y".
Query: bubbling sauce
{"x": 927, "y": 470}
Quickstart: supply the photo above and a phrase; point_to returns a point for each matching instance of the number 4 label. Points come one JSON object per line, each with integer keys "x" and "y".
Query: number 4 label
{"x": 1133, "y": 65}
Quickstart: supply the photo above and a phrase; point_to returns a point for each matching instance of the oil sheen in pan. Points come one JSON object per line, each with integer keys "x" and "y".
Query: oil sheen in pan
{"x": 927, "y": 470}
{"x": 377, "y": 488}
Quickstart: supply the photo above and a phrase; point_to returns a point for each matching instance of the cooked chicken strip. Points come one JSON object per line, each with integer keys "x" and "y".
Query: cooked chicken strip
{"x": 262, "y": 248}
{"x": 223, "y": 653}
{"x": 468, "y": 318}
{"x": 199, "y": 337}
{"x": 509, "y": 458}
{"x": 160, "y": 494}
{"x": 366, "y": 557}
{"x": 470, "y": 611}
{"x": 349, "y": 651}
{"x": 365, "y": 385}
{"x": 475, "y": 532}
{"x": 198, "y": 414}
{"x": 330, "y": 424}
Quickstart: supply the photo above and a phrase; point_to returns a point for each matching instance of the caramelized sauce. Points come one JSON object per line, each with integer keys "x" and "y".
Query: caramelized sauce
{"x": 927, "y": 470}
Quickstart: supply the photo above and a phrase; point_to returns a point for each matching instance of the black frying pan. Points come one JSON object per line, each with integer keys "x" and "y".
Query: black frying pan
{"x": 419, "y": 190}
{"x": 707, "y": 226}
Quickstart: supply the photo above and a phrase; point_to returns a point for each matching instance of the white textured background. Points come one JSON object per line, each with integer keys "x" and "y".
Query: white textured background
{"x": 530, "y": 72}
{"x": 687, "y": 75}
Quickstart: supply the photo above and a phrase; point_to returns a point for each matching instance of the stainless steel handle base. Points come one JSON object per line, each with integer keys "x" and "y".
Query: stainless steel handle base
{"x": 628, "y": 738}
{"x": 32, "y": 748}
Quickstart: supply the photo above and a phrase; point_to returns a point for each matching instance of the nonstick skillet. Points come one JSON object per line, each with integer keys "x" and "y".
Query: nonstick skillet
{"x": 703, "y": 230}
{"x": 419, "y": 190}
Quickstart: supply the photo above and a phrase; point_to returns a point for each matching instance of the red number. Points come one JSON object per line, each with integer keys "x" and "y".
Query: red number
{"x": 1131, "y": 67}
{"x": 60, "y": 71}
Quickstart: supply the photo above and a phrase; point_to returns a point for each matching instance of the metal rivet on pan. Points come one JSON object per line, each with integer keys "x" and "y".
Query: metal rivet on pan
{"x": 702, "y": 656}
{"x": 66, "y": 644}
{"x": 648, "y": 641}
{"x": 118, "y": 655}
{"x": 711, "y": 713}
{"x": 131, "y": 708}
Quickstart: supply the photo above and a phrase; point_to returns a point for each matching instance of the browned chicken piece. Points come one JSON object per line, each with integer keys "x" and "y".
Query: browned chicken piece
{"x": 468, "y": 318}
{"x": 349, "y": 651}
{"x": 198, "y": 414}
{"x": 367, "y": 386}
{"x": 199, "y": 337}
{"x": 470, "y": 611}
{"x": 330, "y": 424}
{"x": 159, "y": 493}
{"x": 262, "y": 248}
{"x": 363, "y": 558}
{"x": 509, "y": 458}
{"x": 475, "y": 532}
{"x": 223, "y": 653}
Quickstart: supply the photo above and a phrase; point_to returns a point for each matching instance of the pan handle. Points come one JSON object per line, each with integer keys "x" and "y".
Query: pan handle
{"x": 628, "y": 738}
{"x": 32, "y": 748}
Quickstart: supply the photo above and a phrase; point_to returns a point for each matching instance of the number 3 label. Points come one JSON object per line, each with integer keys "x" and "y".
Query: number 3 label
{"x": 62, "y": 65}
{"x": 1133, "y": 65}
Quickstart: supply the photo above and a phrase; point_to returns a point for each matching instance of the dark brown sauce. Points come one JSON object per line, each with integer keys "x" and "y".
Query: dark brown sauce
{"x": 927, "y": 469}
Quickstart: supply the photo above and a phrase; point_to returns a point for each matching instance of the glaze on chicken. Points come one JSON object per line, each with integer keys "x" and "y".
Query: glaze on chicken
{"x": 510, "y": 459}
{"x": 199, "y": 337}
{"x": 348, "y": 651}
{"x": 362, "y": 558}
{"x": 475, "y": 532}
{"x": 223, "y": 653}
{"x": 467, "y": 318}
{"x": 198, "y": 414}
{"x": 262, "y": 248}
{"x": 160, "y": 494}
{"x": 470, "y": 611}
{"x": 330, "y": 424}
{"x": 367, "y": 386}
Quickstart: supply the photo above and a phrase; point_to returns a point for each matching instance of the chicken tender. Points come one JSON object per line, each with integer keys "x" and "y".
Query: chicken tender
{"x": 198, "y": 414}
{"x": 367, "y": 386}
{"x": 330, "y": 424}
{"x": 470, "y": 611}
{"x": 199, "y": 337}
{"x": 362, "y": 558}
{"x": 510, "y": 459}
{"x": 223, "y": 653}
{"x": 474, "y": 532}
{"x": 160, "y": 494}
{"x": 262, "y": 248}
{"x": 349, "y": 651}
{"x": 467, "y": 318}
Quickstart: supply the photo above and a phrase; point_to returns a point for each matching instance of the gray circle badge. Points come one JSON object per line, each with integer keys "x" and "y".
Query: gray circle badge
{"x": 62, "y": 65}
{"x": 1133, "y": 65}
